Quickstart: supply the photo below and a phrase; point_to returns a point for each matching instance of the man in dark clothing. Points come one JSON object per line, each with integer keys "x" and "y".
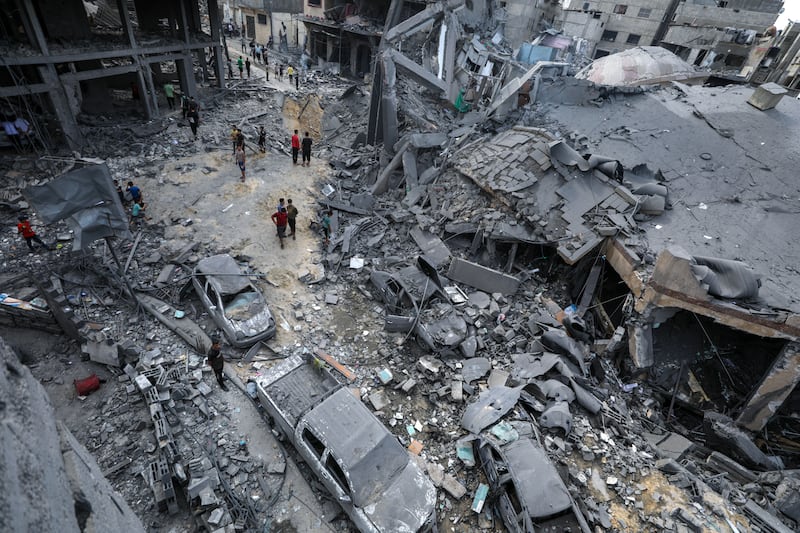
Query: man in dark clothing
{"x": 307, "y": 150}
{"x": 295, "y": 146}
{"x": 194, "y": 120}
{"x": 262, "y": 139}
{"x": 24, "y": 227}
{"x": 281, "y": 219}
{"x": 291, "y": 215}
{"x": 247, "y": 67}
{"x": 216, "y": 361}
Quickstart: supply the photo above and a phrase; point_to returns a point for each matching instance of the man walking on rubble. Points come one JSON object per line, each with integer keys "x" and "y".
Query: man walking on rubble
{"x": 295, "y": 146}
{"x": 291, "y": 216}
{"x": 216, "y": 361}
{"x": 169, "y": 92}
{"x": 281, "y": 219}
{"x": 240, "y": 63}
{"x": 247, "y": 67}
{"x": 240, "y": 159}
{"x": 306, "y": 144}
{"x": 194, "y": 120}
{"x": 262, "y": 140}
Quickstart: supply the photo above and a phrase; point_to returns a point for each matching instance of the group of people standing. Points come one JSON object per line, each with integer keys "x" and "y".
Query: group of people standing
{"x": 303, "y": 146}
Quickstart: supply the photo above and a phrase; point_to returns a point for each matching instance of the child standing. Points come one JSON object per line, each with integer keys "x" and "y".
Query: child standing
{"x": 24, "y": 227}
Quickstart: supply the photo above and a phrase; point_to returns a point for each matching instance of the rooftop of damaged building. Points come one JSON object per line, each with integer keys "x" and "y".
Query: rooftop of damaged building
{"x": 727, "y": 166}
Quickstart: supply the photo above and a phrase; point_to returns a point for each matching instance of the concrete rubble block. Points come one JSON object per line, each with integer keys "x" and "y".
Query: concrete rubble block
{"x": 673, "y": 271}
{"x": 670, "y": 444}
{"x": 498, "y": 378}
{"x": 640, "y": 344}
{"x": 457, "y": 390}
{"x": 378, "y": 400}
{"x": 767, "y": 96}
{"x": 102, "y": 351}
{"x": 481, "y": 277}
{"x": 408, "y": 385}
{"x": 453, "y": 487}
{"x": 196, "y": 485}
{"x": 436, "y": 473}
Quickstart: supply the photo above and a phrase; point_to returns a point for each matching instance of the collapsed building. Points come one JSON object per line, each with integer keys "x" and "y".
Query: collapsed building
{"x": 598, "y": 278}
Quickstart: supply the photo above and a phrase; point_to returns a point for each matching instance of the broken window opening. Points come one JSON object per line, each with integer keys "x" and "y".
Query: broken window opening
{"x": 513, "y": 497}
{"x": 609, "y": 35}
{"x": 336, "y": 472}
{"x": 620, "y": 9}
{"x": 610, "y": 298}
{"x": 633, "y": 38}
{"x": 313, "y": 443}
{"x": 726, "y": 363}
{"x": 644, "y": 12}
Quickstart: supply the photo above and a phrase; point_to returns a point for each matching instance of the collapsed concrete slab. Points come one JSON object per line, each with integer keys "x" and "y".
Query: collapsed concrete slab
{"x": 56, "y": 485}
{"x": 481, "y": 277}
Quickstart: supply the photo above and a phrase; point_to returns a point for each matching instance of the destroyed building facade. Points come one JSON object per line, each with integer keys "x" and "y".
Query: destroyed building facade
{"x": 62, "y": 59}
{"x": 705, "y": 33}
{"x": 259, "y": 21}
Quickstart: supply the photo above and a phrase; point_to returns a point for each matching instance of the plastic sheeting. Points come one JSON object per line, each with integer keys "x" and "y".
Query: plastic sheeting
{"x": 726, "y": 278}
{"x": 643, "y": 65}
{"x": 87, "y": 200}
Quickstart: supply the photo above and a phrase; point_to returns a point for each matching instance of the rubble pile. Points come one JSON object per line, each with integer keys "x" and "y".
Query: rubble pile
{"x": 462, "y": 296}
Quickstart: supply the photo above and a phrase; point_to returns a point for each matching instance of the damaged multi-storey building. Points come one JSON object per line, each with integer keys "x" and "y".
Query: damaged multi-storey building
{"x": 64, "y": 59}
{"x": 543, "y": 296}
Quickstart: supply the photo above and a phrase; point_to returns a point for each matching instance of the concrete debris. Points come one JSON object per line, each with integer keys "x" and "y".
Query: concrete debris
{"x": 523, "y": 295}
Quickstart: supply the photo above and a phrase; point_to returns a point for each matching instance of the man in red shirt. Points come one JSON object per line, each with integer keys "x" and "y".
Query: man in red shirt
{"x": 24, "y": 227}
{"x": 295, "y": 146}
{"x": 281, "y": 219}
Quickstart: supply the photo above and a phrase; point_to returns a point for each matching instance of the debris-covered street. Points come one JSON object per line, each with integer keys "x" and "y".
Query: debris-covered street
{"x": 506, "y": 293}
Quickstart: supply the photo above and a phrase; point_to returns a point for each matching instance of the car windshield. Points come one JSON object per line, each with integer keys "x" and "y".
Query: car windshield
{"x": 243, "y": 306}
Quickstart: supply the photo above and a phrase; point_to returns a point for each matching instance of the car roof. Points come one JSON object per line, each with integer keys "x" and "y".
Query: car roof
{"x": 223, "y": 273}
{"x": 368, "y": 453}
{"x": 537, "y": 482}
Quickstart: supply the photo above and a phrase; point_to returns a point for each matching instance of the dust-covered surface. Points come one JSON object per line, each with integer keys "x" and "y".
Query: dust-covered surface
{"x": 417, "y": 378}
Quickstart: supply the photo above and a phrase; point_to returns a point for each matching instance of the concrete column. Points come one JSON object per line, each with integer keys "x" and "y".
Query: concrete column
{"x": 693, "y": 56}
{"x": 183, "y": 21}
{"x": 148, "y": 111}
{"x": 125, "y": 17}
{"x": 778, "y": 383}
{"x": 186, "y": 75}
{"x": 213, "y": 18}
{"x": 151, "y": 95}
{"x": 57, "y": 94}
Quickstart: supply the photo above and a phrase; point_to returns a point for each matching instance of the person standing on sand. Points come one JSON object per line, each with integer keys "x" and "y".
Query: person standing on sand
{"x": 295, "y": 146}
{"x": 291, "y": 213}
{"x": 281, "y": 219}
{"x": 306, "y": 145}
{"x": 240, "y": 160}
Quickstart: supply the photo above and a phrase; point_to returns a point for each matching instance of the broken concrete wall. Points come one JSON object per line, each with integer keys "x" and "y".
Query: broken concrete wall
{"x": 49, "y": 482}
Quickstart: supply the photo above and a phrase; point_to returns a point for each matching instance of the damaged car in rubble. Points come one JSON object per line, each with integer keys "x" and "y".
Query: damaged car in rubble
{"x": 416, "y": 300}
{"x": 366, "y": 469}
{"x": 528, "y": 492}
{"x": 237, "y": 307}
